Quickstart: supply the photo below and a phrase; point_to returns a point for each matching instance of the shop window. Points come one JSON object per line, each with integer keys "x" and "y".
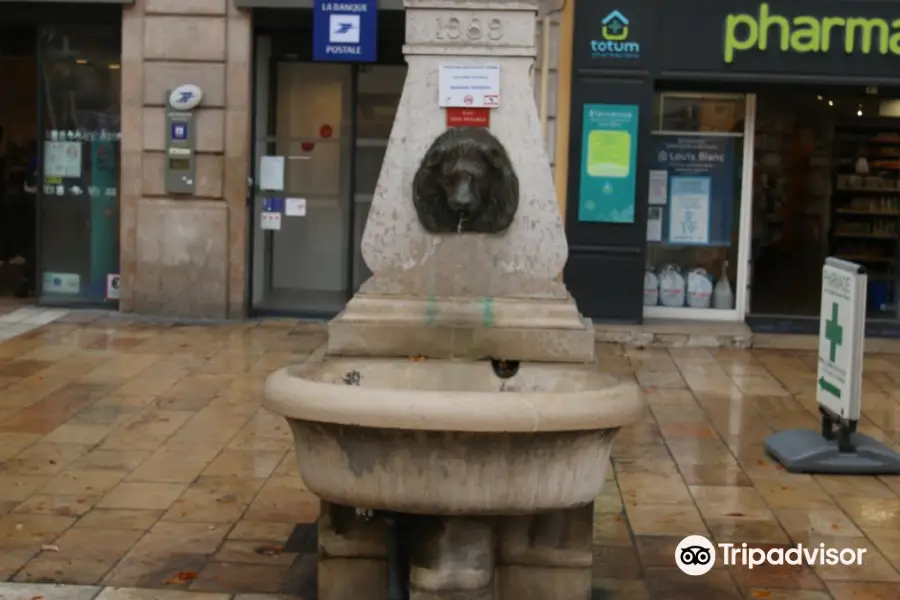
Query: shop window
{"x": 699, "y": 113}
{"x": 694, "y": 206}
{"x": 79, "y": 206}
{"x": 827, "y": 183}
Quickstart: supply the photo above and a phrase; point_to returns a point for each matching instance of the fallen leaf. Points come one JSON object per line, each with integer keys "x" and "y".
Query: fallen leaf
{"x": 49, "y": 548}
{"x": 835, "y": 526}
{"x": 760, "y": 593}
{"x": 37, "y": 598}
{"x": 761, "y": 463}
{"x": 416, "y": 358}
{"x": 735, "y": 514}
{"x": 181, "y": 577}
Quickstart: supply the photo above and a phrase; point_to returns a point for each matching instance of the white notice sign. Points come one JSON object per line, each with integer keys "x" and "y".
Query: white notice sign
{"x": 842, "y": 324}
{"x": 62, "y": 159}
{"x": 469, "y": 86}
{"x": 271, "y": 173}
{"x": 295, "y": 207}
{"x": 112, "y": 286}
{"x": 659, "y": 186}
{"x": 270, "y": 221}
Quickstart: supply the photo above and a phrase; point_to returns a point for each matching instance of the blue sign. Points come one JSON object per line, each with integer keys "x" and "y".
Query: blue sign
{"x": 272, "y": 204}
{"x": 609, "y": 163}
{"x": 701, "y": 183}
{"x": 179, "y": 131}
{"x": 345, "y": 31}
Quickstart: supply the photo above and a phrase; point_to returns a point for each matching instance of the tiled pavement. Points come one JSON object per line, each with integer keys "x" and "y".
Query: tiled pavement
{"x": 136, "y": 455}
{"x": 17, "y": 318}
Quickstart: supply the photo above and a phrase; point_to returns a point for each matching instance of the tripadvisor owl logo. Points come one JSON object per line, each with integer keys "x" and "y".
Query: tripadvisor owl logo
{"x": 615, "y": 43}
{"x": 804, "y": 34}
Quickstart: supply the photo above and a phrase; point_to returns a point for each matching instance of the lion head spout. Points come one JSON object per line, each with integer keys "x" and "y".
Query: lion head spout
{"x": 466, "y": 183}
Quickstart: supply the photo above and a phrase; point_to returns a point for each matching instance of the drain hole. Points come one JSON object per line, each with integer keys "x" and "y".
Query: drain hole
{"x": 504, "y": 369}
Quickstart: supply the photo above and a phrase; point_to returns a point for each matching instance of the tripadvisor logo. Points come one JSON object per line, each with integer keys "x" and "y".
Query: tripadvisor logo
{"x": 615, "y": 43}
{"x": 809, "y": 34}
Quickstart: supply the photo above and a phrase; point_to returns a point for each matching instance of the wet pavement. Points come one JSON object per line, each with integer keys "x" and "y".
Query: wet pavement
{"x": 134, "y": 454}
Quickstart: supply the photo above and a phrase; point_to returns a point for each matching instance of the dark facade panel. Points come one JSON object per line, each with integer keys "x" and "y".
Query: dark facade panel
{"x": 815, "y": 40}
{"x": 818, "y": 41}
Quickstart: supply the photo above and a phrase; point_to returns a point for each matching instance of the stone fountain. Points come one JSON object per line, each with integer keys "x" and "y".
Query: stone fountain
{"x": 457, "y": 428}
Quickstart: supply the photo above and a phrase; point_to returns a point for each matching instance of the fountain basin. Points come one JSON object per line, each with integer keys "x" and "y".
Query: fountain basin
{"x": 441, "y": 437}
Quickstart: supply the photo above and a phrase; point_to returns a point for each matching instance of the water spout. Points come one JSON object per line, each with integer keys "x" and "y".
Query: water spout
{"x": 505, "y": 369}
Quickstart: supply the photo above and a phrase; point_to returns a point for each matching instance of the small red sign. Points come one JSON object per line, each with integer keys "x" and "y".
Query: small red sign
{"x": 468, "y": 117}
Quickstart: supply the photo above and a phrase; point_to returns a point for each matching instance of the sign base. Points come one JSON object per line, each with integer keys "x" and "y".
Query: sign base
{"x": 807, "y": 451}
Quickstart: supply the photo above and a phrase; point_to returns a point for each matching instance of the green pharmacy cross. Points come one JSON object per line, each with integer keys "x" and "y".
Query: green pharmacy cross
{"x": 615, "y": 27}
{"x": 834, "y": 333}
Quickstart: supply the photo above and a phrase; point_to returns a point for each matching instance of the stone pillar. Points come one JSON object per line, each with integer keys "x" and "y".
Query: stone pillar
{"x": 451, "y": 558}
{"x": 352, "y": 556}
{"x": 184, "y": 256}
{"x": 546, "y": 556}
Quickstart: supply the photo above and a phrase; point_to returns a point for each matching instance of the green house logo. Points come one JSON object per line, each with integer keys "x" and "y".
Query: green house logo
{"x": 807, "y": 34}
{"x": 615, "y": 27}
{"x": 614, "y": 42}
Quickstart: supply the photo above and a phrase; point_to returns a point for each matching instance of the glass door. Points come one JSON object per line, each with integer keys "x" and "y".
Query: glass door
{"x": 302, "y": 188}
{"x": 76, "y": 162}
{"x": 698, "y": 219}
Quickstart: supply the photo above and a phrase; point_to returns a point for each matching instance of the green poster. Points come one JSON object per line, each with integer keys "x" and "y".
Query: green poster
{"x": 609, "y": 162}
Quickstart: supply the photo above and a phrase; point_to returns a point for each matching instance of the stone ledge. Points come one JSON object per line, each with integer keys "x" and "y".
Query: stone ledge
{"x": 677, "y": 334}
{"x": 704, "y": 334}
{"x": 467, "y": 312}
{"x": 784, "y": 341}
{"x": 406, "y": 339}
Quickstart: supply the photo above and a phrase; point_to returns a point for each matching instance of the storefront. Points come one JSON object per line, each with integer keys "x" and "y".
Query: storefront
{"x": 322, "y": 118}
{"x": 720, "y": 151}
{"x": 60, "y": 64}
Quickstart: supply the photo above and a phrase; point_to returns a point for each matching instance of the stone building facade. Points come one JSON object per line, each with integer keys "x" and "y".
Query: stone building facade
{"x": 189, "y": 256}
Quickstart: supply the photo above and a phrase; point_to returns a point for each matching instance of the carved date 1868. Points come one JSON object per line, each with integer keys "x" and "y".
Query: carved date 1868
{"x": 475, "y": 29}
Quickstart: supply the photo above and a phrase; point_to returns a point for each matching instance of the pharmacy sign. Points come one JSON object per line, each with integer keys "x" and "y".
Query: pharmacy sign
{"x": 841, "y": 336}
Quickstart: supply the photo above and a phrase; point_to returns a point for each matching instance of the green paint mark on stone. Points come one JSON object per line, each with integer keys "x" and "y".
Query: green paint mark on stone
{"x": 834, "y": 333}
{"x": 431, "y": 310}
{"x": 487, "y": 312}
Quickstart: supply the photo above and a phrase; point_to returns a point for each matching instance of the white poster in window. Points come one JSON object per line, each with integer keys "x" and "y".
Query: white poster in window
{"x": 659, "y": 186}
{"x": 689, "y": 211}
{"x": 654, "y": 224}
{"x": 62, "y": 159}
{"x": 271, "y": 173}
{"x": 295, "y": 207}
